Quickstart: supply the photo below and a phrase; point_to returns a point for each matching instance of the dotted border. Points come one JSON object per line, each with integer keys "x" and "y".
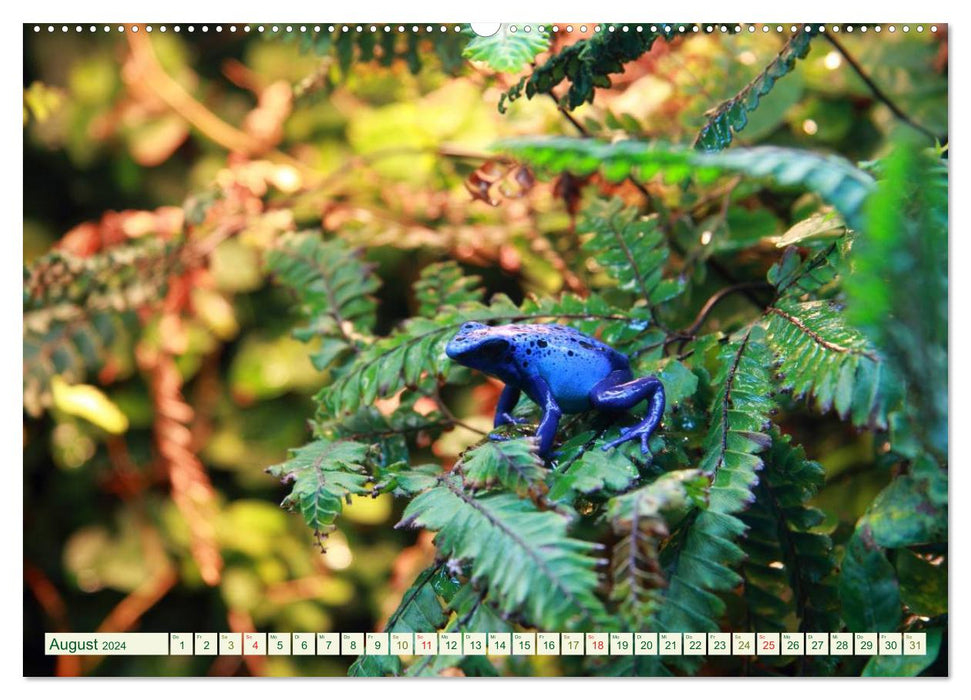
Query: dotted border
{"x": 512, "y": 28}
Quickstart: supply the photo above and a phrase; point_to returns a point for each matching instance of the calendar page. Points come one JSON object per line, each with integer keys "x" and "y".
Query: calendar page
{"x": 560, "y": 349}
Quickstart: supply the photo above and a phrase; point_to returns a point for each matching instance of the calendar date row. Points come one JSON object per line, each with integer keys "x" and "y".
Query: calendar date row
{"x": 491, "y": 644}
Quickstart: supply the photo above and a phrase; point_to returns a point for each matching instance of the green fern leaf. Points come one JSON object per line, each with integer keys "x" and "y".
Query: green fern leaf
{"x": 443, "y": 285}
{"x": 834, "y": 179}
{"x": 78, "y": 311}
{"x": 523, "y": 554}
{"x": 632, "y": 250}
{"x": 512, "y": 464}
{"x": 419, "y": 611}
{"x": 508, "y": 50}
{"x": 793, "y": 276}
{"x": 470, "y": 611}
{"x": 390, "y": 434}
{"x": 334, "y": 289}
{"x": 820, "y": 356}
{"x": 642, "y": 519}
{"x": 592, "y": 471}
{"x": 789, "y": 569}
{"x": 323, "y": 474}
{"x": 385, "y": 45}
{"x": 587, "y": 63}
{"x": 740, "y": 413}
{"x": 731, "y": 116}
{"x": 701, "y": 558}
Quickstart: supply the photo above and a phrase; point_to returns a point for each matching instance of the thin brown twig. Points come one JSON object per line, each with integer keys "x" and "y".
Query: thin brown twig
{"x": 126, "y": 614}
{"x": 152, "y": 75}
{"x": 51, "y": 602}
{"x": 440, "y": 402}
{"x": 878, "y": 92}
{"x": 192, "y": 491}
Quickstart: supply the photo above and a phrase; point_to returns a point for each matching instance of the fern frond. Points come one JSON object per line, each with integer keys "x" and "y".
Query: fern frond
{"x": 740, "y": 414}
{"x": 592, "y": 471}
{"x": 642, "y": 518}
{"x": 75, "y": 308}
{"x": 511, "y": 464}
{"x": 384, "y": 46}
{"x": 789, "y": 570}
{"x": 470, "y": 611}
{"x": 833, "y": 178}
{"x": 632, "y": 249}
{"x": 61, "y": 286}
{"x": 822, "y": 357}
{"x": 323, "y": 474}
{"x": 391, "y": 435}
{"x": 588, "y": 63}
{"x": 796, "y": 277}
{"x": 73, "y": 350}
{"x": 418, "y": 611}
{"x": 731, "y": 116}
{"x": 702, "y": 556}
{"x": 334, "y": 289}
{"x": 444, "y": 284}
{"x": 523, "y": 554}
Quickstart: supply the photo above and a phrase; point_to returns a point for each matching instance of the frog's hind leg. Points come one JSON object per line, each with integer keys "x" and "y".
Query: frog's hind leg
{"x": 618, "y": 392}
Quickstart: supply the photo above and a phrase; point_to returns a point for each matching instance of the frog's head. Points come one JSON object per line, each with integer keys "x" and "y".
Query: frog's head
{"x": 478, "y": 346}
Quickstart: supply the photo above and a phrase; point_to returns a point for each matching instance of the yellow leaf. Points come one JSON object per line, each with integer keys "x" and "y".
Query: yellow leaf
{"x": 90, "y": 403}
{"x": 216, "y": 312}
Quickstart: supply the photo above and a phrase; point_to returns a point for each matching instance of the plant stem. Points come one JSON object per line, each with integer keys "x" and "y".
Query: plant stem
{"x": 878, "y": 93}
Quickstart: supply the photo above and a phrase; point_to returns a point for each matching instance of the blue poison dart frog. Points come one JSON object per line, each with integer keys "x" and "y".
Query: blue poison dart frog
{"x": 562, "y": 370}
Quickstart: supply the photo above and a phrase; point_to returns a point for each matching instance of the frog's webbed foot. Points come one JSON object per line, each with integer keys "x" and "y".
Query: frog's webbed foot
{"x": 614, "y": 394}
{"x": 631, "y": 433}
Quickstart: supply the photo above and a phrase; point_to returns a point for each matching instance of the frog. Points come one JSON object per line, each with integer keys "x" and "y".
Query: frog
{"x": 562, "y": 370}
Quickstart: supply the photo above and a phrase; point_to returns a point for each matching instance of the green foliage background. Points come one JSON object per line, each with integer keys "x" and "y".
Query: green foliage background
{"x": 266, "y": 292}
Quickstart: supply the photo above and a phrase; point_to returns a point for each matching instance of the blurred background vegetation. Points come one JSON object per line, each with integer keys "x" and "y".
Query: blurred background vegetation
{"x": 146, "y": 505}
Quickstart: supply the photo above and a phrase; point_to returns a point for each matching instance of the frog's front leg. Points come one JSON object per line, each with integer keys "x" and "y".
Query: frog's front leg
{"x": 539, "y": 391}
{"x": 507, "y": 402}
{"x": 619, "y": 392}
